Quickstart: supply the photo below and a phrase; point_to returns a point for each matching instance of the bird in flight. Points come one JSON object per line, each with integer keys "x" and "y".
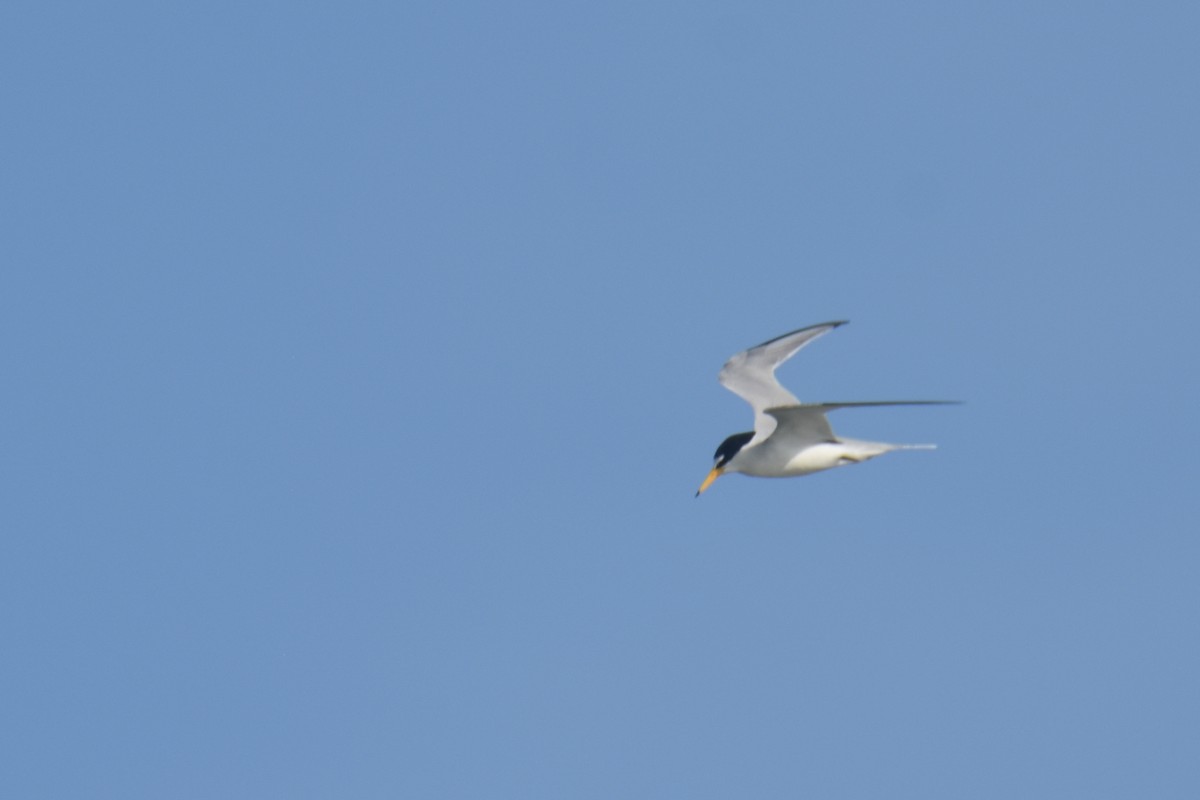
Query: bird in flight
{"x": 790, "y": 437}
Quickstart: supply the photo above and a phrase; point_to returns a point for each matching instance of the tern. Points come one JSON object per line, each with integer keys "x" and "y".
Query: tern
{"x": 789, "y": 437}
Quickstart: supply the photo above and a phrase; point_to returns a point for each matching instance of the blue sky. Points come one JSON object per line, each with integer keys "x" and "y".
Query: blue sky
{"x": 361, "y": 365}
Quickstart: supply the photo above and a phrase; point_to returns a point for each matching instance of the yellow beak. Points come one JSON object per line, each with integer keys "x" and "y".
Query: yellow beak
{"x": 712, "y": 476}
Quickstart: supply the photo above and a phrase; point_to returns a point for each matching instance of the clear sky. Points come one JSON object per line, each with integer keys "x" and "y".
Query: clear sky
{"x": 360, "y": 366}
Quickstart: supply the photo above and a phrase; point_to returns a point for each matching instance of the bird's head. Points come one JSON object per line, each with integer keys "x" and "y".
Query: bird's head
{"x": 725, "y": 453}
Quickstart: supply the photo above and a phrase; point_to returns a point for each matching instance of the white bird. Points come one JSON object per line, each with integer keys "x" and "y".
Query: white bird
{"x": 789, "y": 437}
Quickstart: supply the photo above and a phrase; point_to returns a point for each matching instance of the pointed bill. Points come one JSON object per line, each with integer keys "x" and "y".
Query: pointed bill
{"x": 712, "y": 476}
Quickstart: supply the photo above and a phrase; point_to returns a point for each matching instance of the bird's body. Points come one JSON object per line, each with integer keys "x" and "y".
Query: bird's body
{"x": 789, "y": 438}
{"x": 772, "y": 461}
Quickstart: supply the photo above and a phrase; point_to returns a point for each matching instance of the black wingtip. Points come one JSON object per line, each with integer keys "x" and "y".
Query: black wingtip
{"x": 831, "y": 325}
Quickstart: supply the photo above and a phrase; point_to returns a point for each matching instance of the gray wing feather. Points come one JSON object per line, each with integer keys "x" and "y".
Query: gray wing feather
{"x": 801, "y": 426}
{"x": 806, "y": 424}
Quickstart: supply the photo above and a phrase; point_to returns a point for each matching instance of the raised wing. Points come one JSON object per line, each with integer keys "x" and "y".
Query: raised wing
{"x": 751, "y": 375}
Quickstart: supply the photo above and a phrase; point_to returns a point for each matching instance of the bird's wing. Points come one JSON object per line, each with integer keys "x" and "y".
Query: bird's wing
{"x": 803, "y": 425}
{"x": 800, "y": 426}
{"x": 751, "y": 375}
